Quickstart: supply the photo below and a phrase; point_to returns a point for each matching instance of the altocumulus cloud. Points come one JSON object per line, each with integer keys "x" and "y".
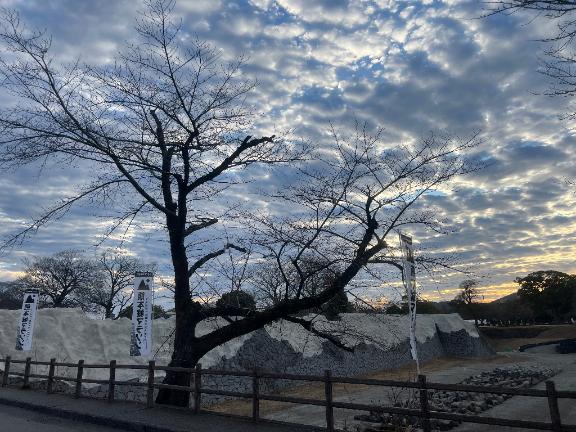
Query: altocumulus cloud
{"x": 410, "y": 67}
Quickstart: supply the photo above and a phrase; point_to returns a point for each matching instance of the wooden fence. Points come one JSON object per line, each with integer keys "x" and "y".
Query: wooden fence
{"x": 196, "y": 390}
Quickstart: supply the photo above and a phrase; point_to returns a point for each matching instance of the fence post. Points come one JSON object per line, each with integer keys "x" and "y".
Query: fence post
{"x": 6, "y": 371}
{"x": 150, "y": 392}
{"x": 424, "y": 411}
{"x": 79, "y": 378}
{"x": 190, "y": 389}
{"x": 255, "y": 396}
{"x": 27, "y": 373}
{"x": 329, "y": 408}
{"x": 197, "y": 387}
{"x": 51, "y": 371}
{"x": 111, "y": 382}
{"x": 553, "y": 406}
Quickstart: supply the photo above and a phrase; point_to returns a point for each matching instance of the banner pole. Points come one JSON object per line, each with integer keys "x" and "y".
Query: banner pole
{"x": 409, "y": 280}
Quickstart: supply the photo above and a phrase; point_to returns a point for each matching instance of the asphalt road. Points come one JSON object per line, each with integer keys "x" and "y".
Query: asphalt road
{"x": 21, "y": 420}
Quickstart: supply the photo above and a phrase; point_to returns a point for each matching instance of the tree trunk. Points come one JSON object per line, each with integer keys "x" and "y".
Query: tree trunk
{"x": 186, "y": 353}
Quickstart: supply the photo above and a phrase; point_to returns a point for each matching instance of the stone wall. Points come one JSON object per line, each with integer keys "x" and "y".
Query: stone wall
{"x": 279, "y": 356}
{"x": 265, "y": 350}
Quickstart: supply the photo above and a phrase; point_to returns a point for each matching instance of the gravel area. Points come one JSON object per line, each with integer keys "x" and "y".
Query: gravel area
{"x": 514, "y": 376}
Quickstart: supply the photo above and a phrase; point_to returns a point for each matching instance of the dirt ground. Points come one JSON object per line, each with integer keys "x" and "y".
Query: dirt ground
{"x": 315, "y": 390}
{"x": 499, "y": 338}
{"x": 544, "y": 333}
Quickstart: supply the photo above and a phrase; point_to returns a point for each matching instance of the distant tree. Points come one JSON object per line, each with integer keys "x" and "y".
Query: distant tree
{"x": 368, "y": 305}
{"x": 272, "y": 285}
{"x": 157, "y": 312}
{"x": 395, "y": 309}
{"x": 268, "y": 284}
{"x": 237, "y": 298}
{"x": 426, "y": 307}
{"x": 514, "y": 311}
{"x": 336, "y": 305}
{"x": 469, "y": 296}
{"x": 549, "y": 293}
{"x": 423, "y": 307}
{"x": 10, "y": 295}
{"x": 63, "y": 278}
{"x": 111, "y": 294}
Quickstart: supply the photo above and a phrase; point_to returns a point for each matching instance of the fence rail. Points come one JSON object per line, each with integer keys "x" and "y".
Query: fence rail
{"x": 196, "y": 390}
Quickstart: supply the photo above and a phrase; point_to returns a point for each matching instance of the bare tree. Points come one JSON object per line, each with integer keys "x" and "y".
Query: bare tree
{"x": 268, "y": 279}
{"x": 560, "y": 60}
{"x": 469, "y": 296}
{"x": 10, "y": 295}
{"x": 561, "y": 56}
{"x": 342, "y": 217}
{"x": 168, "y": 122}
{"x": 112, "y": 294}
{"x": 63, "y": 278}
{"x": 560, "y": 11}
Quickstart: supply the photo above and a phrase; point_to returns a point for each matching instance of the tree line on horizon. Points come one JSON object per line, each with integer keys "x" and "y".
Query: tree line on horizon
{"x": 543, "y": 296}
{"x": 100, "y": 285}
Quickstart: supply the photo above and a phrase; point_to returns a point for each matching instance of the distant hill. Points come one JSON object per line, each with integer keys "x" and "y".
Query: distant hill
{"x": 506, "y": 299}
{"x": 444, "y": 307}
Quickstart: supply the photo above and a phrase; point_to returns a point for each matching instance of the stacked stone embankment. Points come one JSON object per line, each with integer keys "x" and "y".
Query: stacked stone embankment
{"x": 376, "y": 342}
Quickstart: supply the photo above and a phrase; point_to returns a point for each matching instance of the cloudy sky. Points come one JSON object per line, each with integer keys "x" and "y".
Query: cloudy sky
{"x": 411, "y": 67}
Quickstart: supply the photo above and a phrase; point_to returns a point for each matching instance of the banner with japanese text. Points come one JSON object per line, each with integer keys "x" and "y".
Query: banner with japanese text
{"x": 141, "y": 340}
{"x": 409, "y": 278}
{"x": 27, "y": 318}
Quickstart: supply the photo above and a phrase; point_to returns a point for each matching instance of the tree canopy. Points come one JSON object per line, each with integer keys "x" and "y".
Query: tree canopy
{"x": 237, "y": 298}
{"x": 549, "y": 293}
{"x": 63, "y": 279}
{"x": 158, "y": 312}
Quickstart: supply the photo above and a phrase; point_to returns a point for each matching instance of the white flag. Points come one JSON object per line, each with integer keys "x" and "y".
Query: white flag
{"x": 27, "y": 318}
{"x": 409, "y": 277}
{"x": 141, "y": 340}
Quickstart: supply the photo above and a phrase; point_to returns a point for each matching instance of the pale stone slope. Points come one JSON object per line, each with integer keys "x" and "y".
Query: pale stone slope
{"x": 69, "y": 335}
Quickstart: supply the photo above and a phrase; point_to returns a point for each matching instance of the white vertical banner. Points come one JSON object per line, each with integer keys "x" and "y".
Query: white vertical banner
{"x": 409, "y": 278}
{"x": 141, "y": 340}
{"x": 27, "y": 318}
